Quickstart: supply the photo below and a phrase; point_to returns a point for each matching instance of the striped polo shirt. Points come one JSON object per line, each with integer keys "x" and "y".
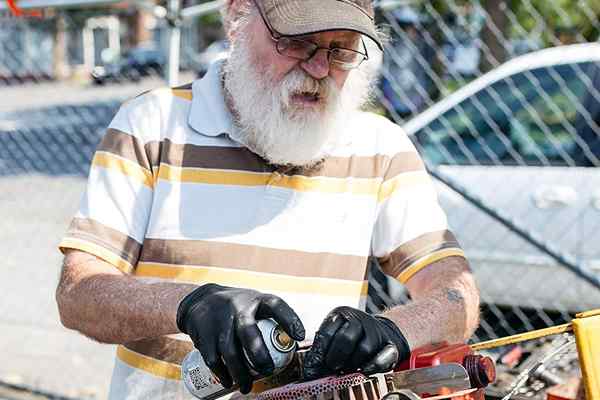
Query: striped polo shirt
{"x": 172, "y": 196}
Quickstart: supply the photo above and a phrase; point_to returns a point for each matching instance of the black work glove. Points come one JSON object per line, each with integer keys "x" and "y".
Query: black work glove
{"x": 222, "y": 324}
{"x": 350, "y": 340}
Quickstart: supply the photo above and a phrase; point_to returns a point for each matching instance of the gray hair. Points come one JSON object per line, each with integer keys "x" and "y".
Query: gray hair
{"x": 234, "y": 19}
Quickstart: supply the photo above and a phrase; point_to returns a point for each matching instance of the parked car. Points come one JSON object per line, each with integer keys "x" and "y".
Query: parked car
{"x": 131, "y": 66}
{"x": 525, "y": 138}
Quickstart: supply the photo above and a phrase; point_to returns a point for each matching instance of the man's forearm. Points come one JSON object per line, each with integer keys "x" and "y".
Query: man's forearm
{"x": 445, "y": 305}
{"x": 113, "y": 307}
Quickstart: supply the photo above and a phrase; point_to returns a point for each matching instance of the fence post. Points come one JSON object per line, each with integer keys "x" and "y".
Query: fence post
{"x": 174, "y": 42}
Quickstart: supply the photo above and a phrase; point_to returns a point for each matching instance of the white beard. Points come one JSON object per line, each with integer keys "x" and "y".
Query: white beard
{"x": 274, "y": 128}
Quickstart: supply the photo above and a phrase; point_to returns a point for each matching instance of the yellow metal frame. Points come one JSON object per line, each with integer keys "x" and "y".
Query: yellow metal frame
{"x": 587, "y": 334}
{"x": 586, "y": 327}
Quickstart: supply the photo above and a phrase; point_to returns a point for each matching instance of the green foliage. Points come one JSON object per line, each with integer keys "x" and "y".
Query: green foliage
{"x": 539, "y": 17}
{"x": 558, "y": 16}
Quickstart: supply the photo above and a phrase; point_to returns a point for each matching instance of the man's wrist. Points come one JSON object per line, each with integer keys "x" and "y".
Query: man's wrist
{"x": 190, "y": 299}
{"x": 397, "y": 337}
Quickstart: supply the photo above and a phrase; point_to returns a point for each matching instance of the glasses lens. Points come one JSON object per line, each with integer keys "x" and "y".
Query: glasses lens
{"x": 346, "y": 58}
{"x": 295, "y": 48}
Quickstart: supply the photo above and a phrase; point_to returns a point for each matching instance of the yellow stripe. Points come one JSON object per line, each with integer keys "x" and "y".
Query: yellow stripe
{"x": 296, "y": 182}
{"x": 155, "y": 367}
{"x": 401, "y": 181}
{"x": 422, "y": 262}
{"x": 185, "y": 94}
{"x": 127, "y": 167}
{"x": 359, "y": 186}
{"x": 254, "y": 280}
{"x": 99, "y": 251}
{"x": 214, "y": 177}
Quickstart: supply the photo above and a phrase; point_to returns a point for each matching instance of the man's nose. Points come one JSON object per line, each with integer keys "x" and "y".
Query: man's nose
{"x": 318, "y": 65}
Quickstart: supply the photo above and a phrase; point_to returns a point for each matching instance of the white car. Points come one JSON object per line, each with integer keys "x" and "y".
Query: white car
{"x": 525, "y": 137}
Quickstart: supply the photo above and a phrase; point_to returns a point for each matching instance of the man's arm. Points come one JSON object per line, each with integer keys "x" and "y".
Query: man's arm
{"x": 445, "y": 307}
{"x": 109, "y": 306}
{"x": 445, "y": 304}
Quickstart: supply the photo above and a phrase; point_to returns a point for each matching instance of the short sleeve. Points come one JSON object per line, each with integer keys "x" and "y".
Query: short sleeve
{"x": 411, "y": 229}
{"x": 115, "y": 208}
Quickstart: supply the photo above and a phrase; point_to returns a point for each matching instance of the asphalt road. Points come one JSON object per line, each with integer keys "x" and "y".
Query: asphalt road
{"x": 36, "y": 350}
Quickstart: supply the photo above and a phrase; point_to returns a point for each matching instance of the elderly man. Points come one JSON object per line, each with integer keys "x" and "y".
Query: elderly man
{"x": 259, "y": 192}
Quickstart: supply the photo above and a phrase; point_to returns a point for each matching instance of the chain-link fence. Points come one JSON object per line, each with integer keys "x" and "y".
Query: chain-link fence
{"x": 523, "y": 138}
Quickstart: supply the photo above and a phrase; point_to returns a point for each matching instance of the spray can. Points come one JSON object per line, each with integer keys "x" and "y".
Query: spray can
{"x": 199, "y": 380}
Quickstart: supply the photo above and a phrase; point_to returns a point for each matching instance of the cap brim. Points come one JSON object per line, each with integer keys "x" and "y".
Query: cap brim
{"x": 303, "y": 17}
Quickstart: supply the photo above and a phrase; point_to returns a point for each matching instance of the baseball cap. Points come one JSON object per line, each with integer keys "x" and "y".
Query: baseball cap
{"x": 303, "y": 17}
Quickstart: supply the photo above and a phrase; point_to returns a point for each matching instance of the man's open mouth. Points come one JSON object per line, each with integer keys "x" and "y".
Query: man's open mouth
{"x": 306, "y": 98}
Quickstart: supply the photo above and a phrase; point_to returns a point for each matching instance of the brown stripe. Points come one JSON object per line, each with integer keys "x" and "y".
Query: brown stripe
{"x": 408, "y": 253}
{"x": 242, "y": 159}
{"x": 113, "y": 240}
{"x": 187, "y": 86}
{"x": 355, "y": 166}
{"x": 154, "y": 151}
{"x": 254, "y": 258}
{"x": 162, "y": 348}
{"x": 194, "y": 156}
{"x": 404, "y": 162}
{"x": 126, "y": 146}
{"x": 152, "y": 154}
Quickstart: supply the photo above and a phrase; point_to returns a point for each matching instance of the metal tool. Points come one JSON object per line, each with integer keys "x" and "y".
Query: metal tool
{"x": 431, "y": 380}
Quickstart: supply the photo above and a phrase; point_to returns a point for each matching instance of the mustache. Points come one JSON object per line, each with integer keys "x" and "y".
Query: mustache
{"x": 299, "y": 82}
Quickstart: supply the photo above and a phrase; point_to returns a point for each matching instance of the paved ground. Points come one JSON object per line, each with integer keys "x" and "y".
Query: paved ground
{"x": 36, "y": 350}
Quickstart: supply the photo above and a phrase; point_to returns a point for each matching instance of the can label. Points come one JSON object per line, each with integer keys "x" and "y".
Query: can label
{"x": 200, "y": 381}
{"x": 198, "y": 378}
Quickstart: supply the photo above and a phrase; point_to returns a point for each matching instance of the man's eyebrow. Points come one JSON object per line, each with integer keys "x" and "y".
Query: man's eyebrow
{"x": 347, "y": 42}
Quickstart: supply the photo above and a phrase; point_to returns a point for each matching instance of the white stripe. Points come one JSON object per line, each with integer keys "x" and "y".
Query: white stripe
{"x": 369, "y": 134}
{"x": 129, "y": 383}
{"x": 117, "y": 201}
{"x": 264, "y": 216}
{"x": 406, "y": 215}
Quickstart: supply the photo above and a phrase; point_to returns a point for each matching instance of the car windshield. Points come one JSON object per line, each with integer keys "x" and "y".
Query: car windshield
{"x": 544, "y": 116}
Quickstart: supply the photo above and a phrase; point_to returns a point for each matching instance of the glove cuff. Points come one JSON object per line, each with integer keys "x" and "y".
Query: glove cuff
{"x": 191, "y": 299}
{"x": 397, "y": 337}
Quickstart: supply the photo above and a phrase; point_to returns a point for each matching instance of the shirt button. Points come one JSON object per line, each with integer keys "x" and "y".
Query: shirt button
{"x": 275, "y": 177}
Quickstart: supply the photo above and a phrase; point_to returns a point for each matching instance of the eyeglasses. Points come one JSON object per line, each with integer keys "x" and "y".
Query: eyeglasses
{"x": 304, "y": 50}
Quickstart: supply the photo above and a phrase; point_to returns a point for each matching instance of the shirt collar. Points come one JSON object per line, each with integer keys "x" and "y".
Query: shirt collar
{"x": 209, "y": 115}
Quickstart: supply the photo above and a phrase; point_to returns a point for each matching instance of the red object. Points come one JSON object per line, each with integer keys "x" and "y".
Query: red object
{"x": 481, "y": 369}
{"x": 512, "y": 357}
{"x": 572, "y": 390}
{"x": 17, "y": 12}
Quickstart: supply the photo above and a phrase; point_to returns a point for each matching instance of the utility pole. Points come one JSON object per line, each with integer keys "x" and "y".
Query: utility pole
{"x": 174, "y": 20}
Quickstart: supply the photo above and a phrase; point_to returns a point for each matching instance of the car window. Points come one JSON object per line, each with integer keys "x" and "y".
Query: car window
{"x": 535, "y": 117}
